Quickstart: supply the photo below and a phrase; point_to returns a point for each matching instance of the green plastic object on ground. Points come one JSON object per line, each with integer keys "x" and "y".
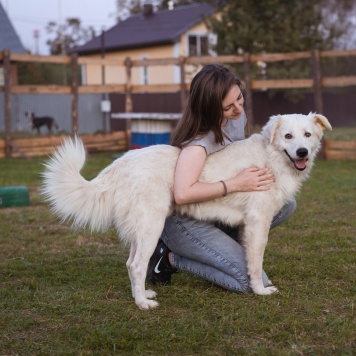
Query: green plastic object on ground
{"x": 14, "y": 196}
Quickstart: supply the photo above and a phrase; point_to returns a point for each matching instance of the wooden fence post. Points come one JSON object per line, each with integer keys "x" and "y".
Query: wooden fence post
{"x": 183, "y": 94}
{"x": 74, "y": 93}
{"x": 248, "y": 89}
{"x": 128, "y": 98}
{"x": 7, "y": 101}
{"x": 128, "y": 88}
{"x": 318, "y": 98}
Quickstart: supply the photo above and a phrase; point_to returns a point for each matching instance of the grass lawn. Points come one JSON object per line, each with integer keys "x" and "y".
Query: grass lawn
{"x": 341, "y": 134}
{"x": 54, "y": 283}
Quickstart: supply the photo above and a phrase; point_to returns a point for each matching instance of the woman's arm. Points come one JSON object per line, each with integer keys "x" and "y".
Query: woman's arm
{"x": 187, "y": 188}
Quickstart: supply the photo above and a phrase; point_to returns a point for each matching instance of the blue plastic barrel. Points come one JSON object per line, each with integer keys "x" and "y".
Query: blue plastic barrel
{"x": 150, "y": 132}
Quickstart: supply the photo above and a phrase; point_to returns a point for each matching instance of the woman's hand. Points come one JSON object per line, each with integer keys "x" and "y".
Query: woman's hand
{"x": 250, "y": 180}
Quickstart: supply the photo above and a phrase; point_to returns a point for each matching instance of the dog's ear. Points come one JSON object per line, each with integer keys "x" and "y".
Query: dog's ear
{"x": 271, "y": 128}
{"x": 322, "y": 121}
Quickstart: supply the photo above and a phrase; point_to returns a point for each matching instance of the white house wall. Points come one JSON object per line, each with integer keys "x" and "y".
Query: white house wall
{"x": 117, "y": 75}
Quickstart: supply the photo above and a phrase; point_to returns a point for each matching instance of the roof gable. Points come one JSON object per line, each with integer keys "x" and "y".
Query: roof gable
{"x": 162, "y": 27}
{"x": 8, "y": 36}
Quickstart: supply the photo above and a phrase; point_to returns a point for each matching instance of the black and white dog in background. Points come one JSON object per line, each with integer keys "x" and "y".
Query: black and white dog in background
{"x": 36, "y": 122}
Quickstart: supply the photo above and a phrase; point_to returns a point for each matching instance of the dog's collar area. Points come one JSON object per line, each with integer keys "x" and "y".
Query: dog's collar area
{"x": 296, "y": 162}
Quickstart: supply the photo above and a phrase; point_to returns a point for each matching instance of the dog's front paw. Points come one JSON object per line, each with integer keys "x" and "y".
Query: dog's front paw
{"x": 265, "y": 291}
{"x": 147, "y": 304}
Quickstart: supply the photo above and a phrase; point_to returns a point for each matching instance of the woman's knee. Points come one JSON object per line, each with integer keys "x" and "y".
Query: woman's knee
{"x": 291, "y": 207}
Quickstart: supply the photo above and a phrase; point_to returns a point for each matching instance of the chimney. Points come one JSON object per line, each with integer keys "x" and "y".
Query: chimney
{"x": 147, "y": 9}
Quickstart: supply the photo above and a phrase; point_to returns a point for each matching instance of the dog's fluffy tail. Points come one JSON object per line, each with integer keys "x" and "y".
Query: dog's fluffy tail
{"x": 70, "y": 195}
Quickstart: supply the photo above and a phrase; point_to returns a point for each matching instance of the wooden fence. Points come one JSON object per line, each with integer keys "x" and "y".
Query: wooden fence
{"x": 316, "y": 83}
{"x": 344, "y": 150}
{"x": 41, "y": 146}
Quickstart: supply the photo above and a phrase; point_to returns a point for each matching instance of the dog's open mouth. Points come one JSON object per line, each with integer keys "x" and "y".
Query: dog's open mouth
{"x": 300, "y": 163}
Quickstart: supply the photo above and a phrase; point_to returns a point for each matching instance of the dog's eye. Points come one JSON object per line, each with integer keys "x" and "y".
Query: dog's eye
{"x": 307, "y": 134}
{"x": 288, "y": 136}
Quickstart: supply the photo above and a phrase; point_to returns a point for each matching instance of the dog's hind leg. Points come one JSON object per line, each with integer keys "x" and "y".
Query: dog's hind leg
{"x": 138, "y": 271}
{"x": 147, "y": 236}
{"x": 255, "y": 240}
{"x": 149, "y": 293}
{"x": 128, "y": 266}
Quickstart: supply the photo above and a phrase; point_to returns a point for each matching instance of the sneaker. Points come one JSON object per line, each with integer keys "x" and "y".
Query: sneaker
{"x": 159, "y": 269}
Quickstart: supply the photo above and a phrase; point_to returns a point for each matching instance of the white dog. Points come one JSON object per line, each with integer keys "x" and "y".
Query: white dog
{"x": 134, "y": 193}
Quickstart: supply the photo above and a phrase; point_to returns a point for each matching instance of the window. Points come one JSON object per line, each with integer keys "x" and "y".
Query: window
{"x": 198, "y": 45}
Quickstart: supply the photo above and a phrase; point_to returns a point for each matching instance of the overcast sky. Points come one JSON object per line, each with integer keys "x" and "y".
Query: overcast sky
{"x": 29, "y": 15}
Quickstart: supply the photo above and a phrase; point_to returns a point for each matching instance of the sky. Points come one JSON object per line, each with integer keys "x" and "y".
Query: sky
{"x": 27, "y": 16}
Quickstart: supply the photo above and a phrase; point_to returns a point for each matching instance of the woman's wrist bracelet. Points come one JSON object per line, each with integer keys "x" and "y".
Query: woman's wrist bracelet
{"x": 225, "y": 188}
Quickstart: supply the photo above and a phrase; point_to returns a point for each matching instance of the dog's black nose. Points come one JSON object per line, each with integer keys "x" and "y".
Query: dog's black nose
{"x": 302, "y": 152}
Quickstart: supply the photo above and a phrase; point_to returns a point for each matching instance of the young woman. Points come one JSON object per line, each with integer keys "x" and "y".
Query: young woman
{"x": 214, "y": 118}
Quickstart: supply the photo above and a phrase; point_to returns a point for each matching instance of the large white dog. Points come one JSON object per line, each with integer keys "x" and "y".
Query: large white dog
{"x": 134, "y": 193}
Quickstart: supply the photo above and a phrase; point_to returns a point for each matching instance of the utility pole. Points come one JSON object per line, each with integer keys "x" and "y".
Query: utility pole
{"x": 36, "y": 35}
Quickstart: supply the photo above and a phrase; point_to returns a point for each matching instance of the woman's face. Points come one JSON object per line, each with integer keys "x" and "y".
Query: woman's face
{"x": 233, "y": 103}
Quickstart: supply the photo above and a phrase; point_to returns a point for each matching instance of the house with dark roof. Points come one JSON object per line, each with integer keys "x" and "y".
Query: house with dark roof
{"x": 9, "y": 40}
{"x": 8, "y": 36}
{"x": 148, "y": 35}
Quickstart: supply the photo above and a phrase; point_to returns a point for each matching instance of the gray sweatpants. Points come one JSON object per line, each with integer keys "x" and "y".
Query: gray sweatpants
{"x": 212, "y": 251}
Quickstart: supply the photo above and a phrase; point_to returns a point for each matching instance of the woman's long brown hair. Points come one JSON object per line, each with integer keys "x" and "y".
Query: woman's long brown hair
{"x": 203, "y": 111}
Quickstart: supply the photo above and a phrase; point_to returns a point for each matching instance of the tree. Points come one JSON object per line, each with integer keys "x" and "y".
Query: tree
{"x": 68, "y": 36}
{"x": 65, "y": 38}
{"x": 126, "y": 8}
{"x": 278, "y": 26}
{"x": 165, "y": 4}
{"x": 256, "y": 26}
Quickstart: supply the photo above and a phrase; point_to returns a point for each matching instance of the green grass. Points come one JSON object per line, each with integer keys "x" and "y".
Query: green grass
{"x": 54, "y": 283}
{"x": 341, "y": 134}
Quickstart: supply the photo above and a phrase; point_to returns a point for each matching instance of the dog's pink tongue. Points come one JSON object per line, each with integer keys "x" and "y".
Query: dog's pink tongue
{"x": 300, "y": 163}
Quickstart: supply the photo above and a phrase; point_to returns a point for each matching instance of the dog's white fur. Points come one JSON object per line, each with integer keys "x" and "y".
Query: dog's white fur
{"x": 134, "y": 193}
